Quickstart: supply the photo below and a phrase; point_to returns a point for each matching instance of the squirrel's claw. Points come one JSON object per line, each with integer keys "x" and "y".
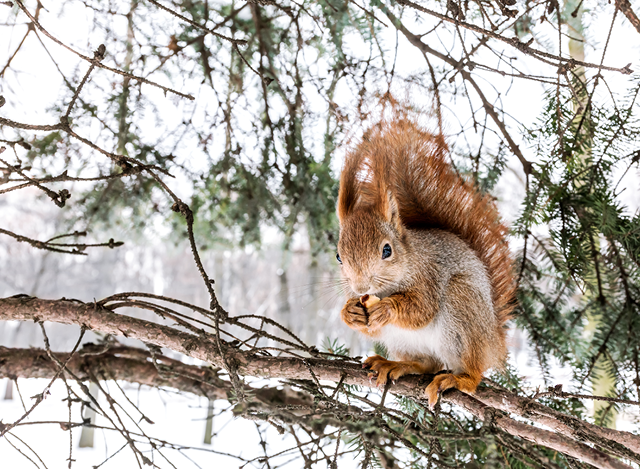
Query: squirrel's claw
{"x": 464, "y": 382}
{"x": 440, "y": 384}
{"x": 393, "y": 370}
{"x": 379, "y": 365}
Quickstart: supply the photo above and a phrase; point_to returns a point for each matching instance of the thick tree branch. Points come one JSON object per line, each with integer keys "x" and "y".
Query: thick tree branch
{"x": 137, "y": 366}
{"x": 97, "y": 317}
{"x": 628, "y": 444}
{"x": 539, "y": 436}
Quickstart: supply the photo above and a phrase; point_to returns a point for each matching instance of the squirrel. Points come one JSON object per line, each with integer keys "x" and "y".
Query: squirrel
{"x": 424, "y": 242}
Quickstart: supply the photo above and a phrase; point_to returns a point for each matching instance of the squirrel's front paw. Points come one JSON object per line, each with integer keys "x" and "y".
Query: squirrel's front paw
{"x": 379, "y": 314}
{"x": 355, "y": 315}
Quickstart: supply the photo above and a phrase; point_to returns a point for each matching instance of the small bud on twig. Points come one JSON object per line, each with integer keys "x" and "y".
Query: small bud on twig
{"x": 99, "y": 54}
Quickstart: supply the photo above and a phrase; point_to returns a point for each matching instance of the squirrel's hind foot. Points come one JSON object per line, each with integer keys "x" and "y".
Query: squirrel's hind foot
{"x": 388, "y": 369}
{"x": 463, "y": 382}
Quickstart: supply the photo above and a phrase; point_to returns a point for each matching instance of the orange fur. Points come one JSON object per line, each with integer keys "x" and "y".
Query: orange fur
{"x": 445, "y": 201}
{"x": 389, "y": 369}
{"x": 397, "y": 189}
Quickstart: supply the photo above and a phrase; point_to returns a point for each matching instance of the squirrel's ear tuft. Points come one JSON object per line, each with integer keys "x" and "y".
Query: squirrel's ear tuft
{"x": 347, "y": 198}
{"x": 349, "y": 193}
{"x": 389, "y": 209}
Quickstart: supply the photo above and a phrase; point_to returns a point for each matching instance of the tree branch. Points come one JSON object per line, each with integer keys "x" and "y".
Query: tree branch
{"x": 136, "y": 366}
{"x": 203, "y": 346}
{"x": 626, "y": 444}
{"x": 515, "y": 42}
{"x": 489, "y": 108}
{"x": 625, "y": 7}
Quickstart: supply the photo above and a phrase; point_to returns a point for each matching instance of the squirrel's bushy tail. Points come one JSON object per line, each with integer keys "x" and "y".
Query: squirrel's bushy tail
{"x": 398, "y": 156}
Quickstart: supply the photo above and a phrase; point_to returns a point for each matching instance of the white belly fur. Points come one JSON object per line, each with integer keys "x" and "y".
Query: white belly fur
{"x": 432, "y": 340}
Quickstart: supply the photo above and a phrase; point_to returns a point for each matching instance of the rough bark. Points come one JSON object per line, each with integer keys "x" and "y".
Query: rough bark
{"x": 136, "y": 366}
{"x": 203, "y": 346}
{"x": 625, "y": 7}
{"x": 628, "y": 443}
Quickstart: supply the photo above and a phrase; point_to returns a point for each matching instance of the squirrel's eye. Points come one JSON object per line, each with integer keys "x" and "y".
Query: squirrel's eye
{"x": 386, "y": 251}
{"x": 338, "y": 258}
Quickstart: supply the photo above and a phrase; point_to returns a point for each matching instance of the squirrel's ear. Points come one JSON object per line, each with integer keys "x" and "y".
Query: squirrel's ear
{"x": 389, "y": 209}
{"x": 347, "y": 197}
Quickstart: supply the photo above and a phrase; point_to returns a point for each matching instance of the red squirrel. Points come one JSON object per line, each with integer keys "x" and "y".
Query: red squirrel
{"x": 423, "y": 240}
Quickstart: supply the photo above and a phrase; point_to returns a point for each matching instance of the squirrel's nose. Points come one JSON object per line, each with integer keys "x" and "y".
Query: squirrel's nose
{"x": 361, "y": 288}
